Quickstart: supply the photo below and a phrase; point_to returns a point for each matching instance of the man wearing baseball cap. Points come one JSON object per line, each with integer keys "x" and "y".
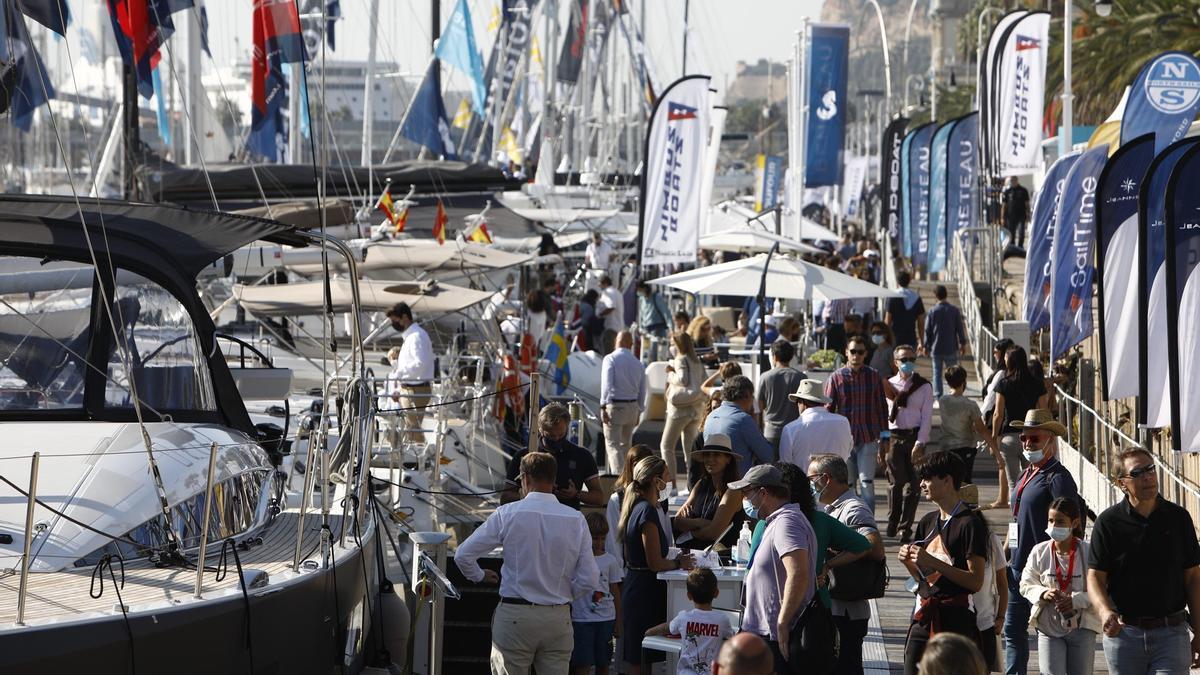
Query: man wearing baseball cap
{"x": 817, "y": 430}
{"x": 781, "y": 578}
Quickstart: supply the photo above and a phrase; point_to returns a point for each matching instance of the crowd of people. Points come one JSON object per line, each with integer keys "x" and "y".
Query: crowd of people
{"x": 792, "y": 461}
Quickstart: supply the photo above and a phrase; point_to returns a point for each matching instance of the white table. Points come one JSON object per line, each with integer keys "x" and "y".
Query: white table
{"x": 729, "y": 598}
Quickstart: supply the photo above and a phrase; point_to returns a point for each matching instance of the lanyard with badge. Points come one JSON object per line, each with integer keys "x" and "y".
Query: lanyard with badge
{"x": 1028, "y": 476}
{"x": 1064, "y": 584}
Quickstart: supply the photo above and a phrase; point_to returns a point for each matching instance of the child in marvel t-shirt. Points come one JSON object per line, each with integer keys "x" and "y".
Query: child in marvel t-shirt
{"x": 702, "y": 629}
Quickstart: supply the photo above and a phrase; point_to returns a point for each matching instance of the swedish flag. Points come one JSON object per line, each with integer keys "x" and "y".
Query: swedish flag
{"x": 557, "y": 354}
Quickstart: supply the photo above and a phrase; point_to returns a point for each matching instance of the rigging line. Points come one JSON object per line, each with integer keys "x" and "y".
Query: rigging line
{"x": 98, "y": 572}
{"x": 420, "y": 491}
{"x": 124, "y": 347}
{"x": 230, "y": 544}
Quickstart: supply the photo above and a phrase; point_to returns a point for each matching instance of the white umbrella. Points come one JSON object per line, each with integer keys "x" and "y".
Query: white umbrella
{"x": 730, "y": 214}
{"x": 748, "y": 240}
{"x": 786, "y": 278}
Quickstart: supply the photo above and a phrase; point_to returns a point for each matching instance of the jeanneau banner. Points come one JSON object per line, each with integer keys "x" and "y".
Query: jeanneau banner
{"x": 1022, "y": 93}
{"x": 828, "y": 56}
{"x": 1155, "y": 411}
{"x": 962, "y": 178}
{"x": 1073, "y": 265}
{"x": 1116, "y": 258}
{"x": 1183, "y": 302}
{"x": 1163, "y": 100}
{"x": 890, "y": 204}
{"x": 1041, "y": 236}
{"x": 672, "y": 190}
{"x": 938, "y": 161}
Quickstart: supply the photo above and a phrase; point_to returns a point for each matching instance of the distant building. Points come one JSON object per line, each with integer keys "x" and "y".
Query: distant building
{"x": 762, "y": 81}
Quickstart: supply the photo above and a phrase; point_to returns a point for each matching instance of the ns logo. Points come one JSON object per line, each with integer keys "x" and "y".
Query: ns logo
{"x": 1172, "y": 83}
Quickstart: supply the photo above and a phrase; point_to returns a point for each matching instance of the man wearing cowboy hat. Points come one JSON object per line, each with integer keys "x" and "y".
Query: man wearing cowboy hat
{"x": 1043, "y": 481}
{"x": 816, "y": 431}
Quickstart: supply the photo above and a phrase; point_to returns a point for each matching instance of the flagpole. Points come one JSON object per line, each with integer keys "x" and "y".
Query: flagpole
{"x": 368, "y": 125}
{"x": 407, "y": 111}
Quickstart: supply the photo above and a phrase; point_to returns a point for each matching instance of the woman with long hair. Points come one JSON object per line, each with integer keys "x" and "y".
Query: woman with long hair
{"x": 1017, "y": 392}
{"x": 685, "y": 402}
{"x": 645, "y": 544}
{"x": 727, "y": 370}
{"x": 711, "y": 506}
{"x": 536, "y": 319}
{"x": 701, "y": 330}
{"x": 612, "y": 512}
{"x": 694, "y": 469}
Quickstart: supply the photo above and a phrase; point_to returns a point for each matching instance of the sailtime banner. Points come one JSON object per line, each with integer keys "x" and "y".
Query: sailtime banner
{"x": 1073, "y": 267}
{"x": 1041, "y": 236}
{"x": 676, "y": 145}
{"x": 828, "y": 55}
{"x": 1183, "y": 284}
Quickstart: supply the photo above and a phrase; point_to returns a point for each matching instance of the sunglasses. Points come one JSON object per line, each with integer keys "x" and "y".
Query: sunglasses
{"x": 907, "y": 359}
{"x": 858, "y": 351}
{"x": 1140, "y": 471}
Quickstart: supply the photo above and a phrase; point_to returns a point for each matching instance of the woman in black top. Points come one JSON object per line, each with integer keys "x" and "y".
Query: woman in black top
{"x": 712, "y": 506}
{"x": 1017, "y": 392}
{"x": 589, "y": 321}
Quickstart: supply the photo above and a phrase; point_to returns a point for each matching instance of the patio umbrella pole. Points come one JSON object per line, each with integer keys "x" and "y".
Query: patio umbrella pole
{"x": 763, "y": 364}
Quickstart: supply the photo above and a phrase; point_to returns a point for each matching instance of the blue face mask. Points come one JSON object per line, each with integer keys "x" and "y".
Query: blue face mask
{"x": 750, "y": 509}
{"x": 908, "y": 368}
{"x": 816, "y": 491}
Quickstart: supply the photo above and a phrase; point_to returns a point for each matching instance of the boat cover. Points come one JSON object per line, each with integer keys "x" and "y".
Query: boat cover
{"x": 376, "y": 296}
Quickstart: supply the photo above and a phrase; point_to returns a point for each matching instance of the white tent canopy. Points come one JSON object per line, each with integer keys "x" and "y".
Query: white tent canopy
{"x": 786, "y": 278}
{"x": 745, "y": 239}
{"x": 728, "y": 215}
{"x": 376, "y": 296}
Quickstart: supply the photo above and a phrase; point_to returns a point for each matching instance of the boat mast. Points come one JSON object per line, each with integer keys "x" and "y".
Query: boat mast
{"x": 368, "y": 125}
{"x": 195, "y": 89}
{"x": 133, "y": 139}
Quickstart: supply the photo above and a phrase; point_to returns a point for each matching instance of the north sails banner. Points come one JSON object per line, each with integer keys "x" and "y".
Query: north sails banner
{"x": 890, "y": 203}
{"x": 1072, "y": 267}
{"x": 676, "y": 145}
{"x": 938, "y": 160}
{"x": 962, "y": 178}
{"x": 916, "y": 199}
{"x": 1155, "y": 411}
{"x": 1163, "y": 100}
{"x": 825, "y": 130}
{"x": 1117, "y": 259}
{"x": 1022, "y": 89}
{"x": 1041, "y": 236}
{"x": 852, "y": 187}
{"x": 988, "y": 91}
{"x": 1183, "y": 302}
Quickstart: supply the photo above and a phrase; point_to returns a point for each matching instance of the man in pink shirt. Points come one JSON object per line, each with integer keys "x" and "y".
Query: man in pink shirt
{"x": 910, "y": 410}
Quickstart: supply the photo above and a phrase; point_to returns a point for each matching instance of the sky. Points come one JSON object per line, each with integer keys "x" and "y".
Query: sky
{"x": 721, "y": 32}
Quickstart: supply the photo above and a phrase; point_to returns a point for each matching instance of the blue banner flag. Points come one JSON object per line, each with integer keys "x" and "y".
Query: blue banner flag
{"x": 772, "y": 181}
{"x": 1041, "y": 236}
{"x": 891, "y": 200}
{"x": 916, "y": 199}
{"x": 140, "y": 28}
{"x": 1072, "y": 267}
{"x": 456, "y": 47}
{"x": 828, "y": 55}
{"x": 939, "y": 158}
{"x": 906, "y": 238}
{"x": 557, "y": 354}
{"x": 426, "y": 123}
{"x": 1163, "y": 100}
{"x": 1116, "y": 260}
{"x": 164, "y": 121}
{"x": 33, "y": 83}
{"x": 1155, "y": 411}
{"x": 1183, "y": 303}
{"x": 53, "y": 14}
{"x": 962, "y": 178}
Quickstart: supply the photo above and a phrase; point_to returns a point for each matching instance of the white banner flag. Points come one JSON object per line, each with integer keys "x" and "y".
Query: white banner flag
{"x": 672, "y": 183}
{"x": 717, "y": 129}
{"x": 852, "y": 187}
{"x": 1022, "y": 93}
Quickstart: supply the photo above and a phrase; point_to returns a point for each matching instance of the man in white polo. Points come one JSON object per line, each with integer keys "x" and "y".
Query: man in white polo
{"x": 817, "y": 431}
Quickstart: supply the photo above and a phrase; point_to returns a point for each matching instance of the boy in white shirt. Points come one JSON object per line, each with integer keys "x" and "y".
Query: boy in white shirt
{"x": 596, "y": 615}
{"x": 702, "y": 629}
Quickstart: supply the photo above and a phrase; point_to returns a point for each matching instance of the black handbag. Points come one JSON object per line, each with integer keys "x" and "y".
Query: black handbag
{"x": 814, "y": 643}
{"x": 862, "y": 579}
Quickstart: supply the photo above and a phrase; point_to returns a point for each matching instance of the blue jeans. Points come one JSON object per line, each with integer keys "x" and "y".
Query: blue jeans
{"x": 1071, "y": 654}
{"x": 1162, "y": 651}
{"x": 861, "y": 466}
{"x": 1016, "y": 629}
{"x": 940, "y": 364}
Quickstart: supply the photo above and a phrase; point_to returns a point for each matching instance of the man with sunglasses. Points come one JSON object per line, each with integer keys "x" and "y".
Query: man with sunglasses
{"x": 1144, "y": 576}
{"x": 1043, "y": 481}
{"x": 855, "y": 391}
{"x": 909, "y": 420}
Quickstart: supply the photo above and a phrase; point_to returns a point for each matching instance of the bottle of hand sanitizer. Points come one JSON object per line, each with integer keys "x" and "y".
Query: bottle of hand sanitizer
{"x": 742, "y": 551}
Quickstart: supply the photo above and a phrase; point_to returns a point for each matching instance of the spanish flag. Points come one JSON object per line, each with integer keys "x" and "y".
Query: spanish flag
{"x": 386, "y": 205}
{"x": 439, "y": 223}
{"x": 480, "y": 234}
{"x": 400, "y": 221}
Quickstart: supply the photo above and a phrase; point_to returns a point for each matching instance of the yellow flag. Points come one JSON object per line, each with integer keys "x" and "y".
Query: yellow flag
{"x": 1109, "y": 132}
{"x": 494, "y": 21}
{"x": 462, "y": 116}
{"x": 508, "y": 143}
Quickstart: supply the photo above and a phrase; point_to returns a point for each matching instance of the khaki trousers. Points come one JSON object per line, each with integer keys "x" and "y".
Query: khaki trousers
{"x": 623, "y": 418}
{"x": 417, "y": 398}
{"x": 531, "y": 635}
{"x": 681, "y": 422}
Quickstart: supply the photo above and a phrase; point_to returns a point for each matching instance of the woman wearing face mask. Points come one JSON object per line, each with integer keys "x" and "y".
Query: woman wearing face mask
{"x": 1017, "y": 392}
{"x": 883, "y": 344}
{"x": 645, "y": 544}
{"x": 1054, "y": 582}
{"x": 685, "y": 401}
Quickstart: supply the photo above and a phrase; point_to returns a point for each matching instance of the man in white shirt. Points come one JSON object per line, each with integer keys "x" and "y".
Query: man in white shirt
{"x": 414, "y": 370}
{"x": 622, "y": 399}
{"x": 816, "y": 431}
{"x": 596, "y": 258}
{"x": 612, "y": 308}
{"x": 548, "y": 562}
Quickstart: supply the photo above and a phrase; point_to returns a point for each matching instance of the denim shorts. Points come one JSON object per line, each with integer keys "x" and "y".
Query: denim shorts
{"x": 593, "y": 643}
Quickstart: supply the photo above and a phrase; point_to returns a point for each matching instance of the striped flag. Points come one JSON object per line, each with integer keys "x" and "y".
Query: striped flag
{"x": 386, "y": 205}
{"x": 557, "y": 354}
{"x": 439, "y": 223}
{"x": 480, "y": 234}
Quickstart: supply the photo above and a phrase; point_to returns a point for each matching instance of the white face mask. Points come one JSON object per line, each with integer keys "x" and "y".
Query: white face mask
{"x": 1059, "y": 533}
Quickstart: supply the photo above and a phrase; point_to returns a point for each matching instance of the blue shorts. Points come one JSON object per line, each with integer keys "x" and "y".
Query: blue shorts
{"x": 593, "y": 643}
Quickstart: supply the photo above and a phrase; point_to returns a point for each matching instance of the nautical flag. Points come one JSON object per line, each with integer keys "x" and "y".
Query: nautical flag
{"x": 33, "y": 86}
{"x": 1072, "y": 268}
{"x": 570, "y": 61}
{"x": 1163, "y": 100}
{"x": 1155, "y": 411}
{"x": 53, "y": 14}
{"x": 480, "y": 234}
{"x": 333, "y": 12}
{"x": 827, "y": 63}
{"x": 400, "y": 221}
{"x": 426, "y": 122}
{"x": 277, "y": 40}
{"x": 1117, "y": 260}
{"x": 164, "y": 122}
{"x": 386, "y": 205}
{"x": 456, "y": 47}
{"x": 889, "y": 205}
{"x": 676, "y": 145}
{"x": 1041, "y": 234}
{"x": 439, "y": 224}
{"x": 1183, "y": 300}
{"x": 204, "y": 31}
{"x": 141, "y": 27}
{"x": 1022, "y": 91}
{"x": 462, "y": 117}
{"x": 962, "y": 179}
{"x": 509, "y": 146}
{"x": 939, "y": 159}
{"x": 557, "y": 353}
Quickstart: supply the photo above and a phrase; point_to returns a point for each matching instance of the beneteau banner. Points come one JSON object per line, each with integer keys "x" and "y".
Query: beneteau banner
{"x": 1155, "y": 411}
{"x": 1116, "y": 257}
{"x": 676, "y": 144}
{"x": 917, "y": 197}
{"x": 1041, "y": 235}
{"x": 1072, "y": 268}
{"x": 890, "y": 204}
{"x": 962, "y": 178}
{"x": 828, "y": 55}
{"x": 1163, "y": 100}
{"x": 1021, "y": 94}
{"x": 938, "y": 160}
{"x": 906, "y": 230}
{"x": 1183, "y": 315}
